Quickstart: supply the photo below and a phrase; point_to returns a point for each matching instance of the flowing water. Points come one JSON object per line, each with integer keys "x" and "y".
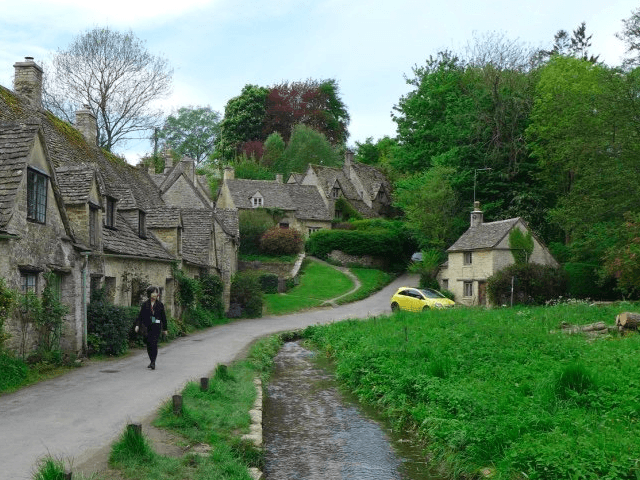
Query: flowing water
{"x": 313, "y": 431}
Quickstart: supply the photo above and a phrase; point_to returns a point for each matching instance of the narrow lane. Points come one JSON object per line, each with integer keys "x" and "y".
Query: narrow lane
{"x": 80, "y": 412}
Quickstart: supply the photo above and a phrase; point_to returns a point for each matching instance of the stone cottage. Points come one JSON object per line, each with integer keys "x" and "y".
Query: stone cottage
{"x": 301, "y": 206}
{"x": 363, "y": 187}
{"x": 92, "y": 220}
{"x": 482, "y": 251}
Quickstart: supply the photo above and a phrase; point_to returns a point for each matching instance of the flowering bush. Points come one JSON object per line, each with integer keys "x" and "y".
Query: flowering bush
{"x": 281, "y": 241}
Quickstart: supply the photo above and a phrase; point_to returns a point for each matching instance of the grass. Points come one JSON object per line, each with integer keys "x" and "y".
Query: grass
{"x": 319, "y": 282}
{"x": 371, "y": 281}
{"x": 503, "y": 390}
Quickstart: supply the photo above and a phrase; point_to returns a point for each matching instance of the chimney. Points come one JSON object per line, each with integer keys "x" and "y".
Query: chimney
{"x": 476, "y": 215}
{"x": 86, "y": 123}
{"x": 229, "y": 174}
{"x": 279, "y": 177}
{"x": 28, "y": 81}
{"x": 168, "y": 161}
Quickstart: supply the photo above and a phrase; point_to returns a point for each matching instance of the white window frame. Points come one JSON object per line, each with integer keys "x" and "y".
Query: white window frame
{"x": 467, "y": 258}
{"x": 257, "y": 202}
{"x": 467, "y": 289}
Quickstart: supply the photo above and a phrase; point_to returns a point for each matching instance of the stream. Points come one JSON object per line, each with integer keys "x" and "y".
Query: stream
{"x": 312, "y": 430}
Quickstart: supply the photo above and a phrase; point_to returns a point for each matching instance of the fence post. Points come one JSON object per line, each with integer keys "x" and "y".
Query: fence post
{"x": 204, "y": 384}
{"x": 177, "y": 404}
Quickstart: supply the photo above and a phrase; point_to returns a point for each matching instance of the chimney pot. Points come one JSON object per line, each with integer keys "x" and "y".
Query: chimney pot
{"x": 477, "y": 217}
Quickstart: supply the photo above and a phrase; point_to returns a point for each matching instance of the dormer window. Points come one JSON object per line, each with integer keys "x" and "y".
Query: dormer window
{"x": 142, "y": 224}
{"x": 257, "y": 201}
{"x": 110, "y": 218}
{"x": 36, "y": 196}
{"x": 335, "y": 192}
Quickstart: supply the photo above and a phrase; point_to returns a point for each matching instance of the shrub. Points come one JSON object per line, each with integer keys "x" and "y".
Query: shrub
{"x": 13, "y": 371}
{"x": 188, "y": 289}
{"x": 252, "y": 225}
{"x": 584, "y": 281}
{"x": 7, "y": 302}
{"x": 281, "y": 241}
{"x": 210, "y": 294}
{"x": 108, "y": 326}
{"x": 269, "y": 282}
{"x": 533, "y": 284}
{"x": 247, "y": 294}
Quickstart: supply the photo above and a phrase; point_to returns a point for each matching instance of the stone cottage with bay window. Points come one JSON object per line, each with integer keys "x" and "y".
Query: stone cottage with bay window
{"x": 479, "y": 253}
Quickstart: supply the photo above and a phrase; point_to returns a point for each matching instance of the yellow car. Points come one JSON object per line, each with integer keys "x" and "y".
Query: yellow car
{"x": 419, "y": 299}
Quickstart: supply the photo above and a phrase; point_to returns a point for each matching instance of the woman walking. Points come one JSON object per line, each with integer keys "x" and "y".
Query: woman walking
{"x": 153, "y": 321}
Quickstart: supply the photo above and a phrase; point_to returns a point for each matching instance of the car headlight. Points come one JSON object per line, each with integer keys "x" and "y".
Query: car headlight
{"x": 438, "y": 305}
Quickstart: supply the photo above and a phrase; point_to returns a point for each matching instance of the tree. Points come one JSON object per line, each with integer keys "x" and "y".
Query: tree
{"x": 630, "y": 35}
{"x": 116, "y": 77}
{"x": 623, "y": 260}
{"x": 315, "y": 103}
{"x": 306, "y": 146}
{"x": 243, "y": 120}
{"x": 273, "y": 150}
{"x": 428, "y": 201}
{"x": 191, "y": 131}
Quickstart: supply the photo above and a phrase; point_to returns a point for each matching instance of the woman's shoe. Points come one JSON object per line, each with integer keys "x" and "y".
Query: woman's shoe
{"x": 152, "y": 366}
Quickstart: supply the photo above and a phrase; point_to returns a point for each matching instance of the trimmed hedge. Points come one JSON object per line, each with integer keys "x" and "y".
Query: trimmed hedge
{"x": 533, "y": 284}
{"x": 269, "y": 282}
{"x": 281, "y": 241}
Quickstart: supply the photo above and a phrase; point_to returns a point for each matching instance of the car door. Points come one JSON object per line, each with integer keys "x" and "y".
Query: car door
{"x": 415, "y": 300}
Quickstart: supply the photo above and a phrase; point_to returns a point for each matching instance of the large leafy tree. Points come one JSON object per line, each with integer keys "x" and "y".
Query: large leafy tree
{"x": 583, "y": 135}
{"x": 306, "y": 146}
{"x": 630, "y": 35}
{"x": 116, "y": 77}
{"x": 243, "y": 120}
{"x": 314, "y": 103}
{"x": 191, "y": 131}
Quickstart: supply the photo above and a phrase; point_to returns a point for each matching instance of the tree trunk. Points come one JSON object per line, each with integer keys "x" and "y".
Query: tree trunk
{"x": 628, "y": 320}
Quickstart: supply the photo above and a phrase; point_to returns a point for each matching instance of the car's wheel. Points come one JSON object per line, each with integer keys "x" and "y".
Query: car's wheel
{"x": 425, "y": 308}
{"x": 394, "y": 307}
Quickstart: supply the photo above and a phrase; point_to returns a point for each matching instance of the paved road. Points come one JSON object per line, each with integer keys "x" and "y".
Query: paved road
{"x": 74, "y": 415}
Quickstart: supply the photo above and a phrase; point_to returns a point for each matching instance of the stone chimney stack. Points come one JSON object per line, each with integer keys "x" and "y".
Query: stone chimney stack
{"x": 28, "y": 81}
{"x": 86, "y": 123}
{"x": 229, "y": 173}
{"x": 168, "y": 161}
{"x": 476, "y": 215}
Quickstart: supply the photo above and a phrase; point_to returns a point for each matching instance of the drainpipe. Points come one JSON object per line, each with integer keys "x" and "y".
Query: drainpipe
{"x": 85, "y": 346}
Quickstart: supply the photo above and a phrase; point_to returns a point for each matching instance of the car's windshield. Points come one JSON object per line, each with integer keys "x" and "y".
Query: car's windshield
{"x": 431, "y": 293}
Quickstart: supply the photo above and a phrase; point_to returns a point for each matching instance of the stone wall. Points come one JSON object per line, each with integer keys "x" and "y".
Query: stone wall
{"x": 364, "y": 260}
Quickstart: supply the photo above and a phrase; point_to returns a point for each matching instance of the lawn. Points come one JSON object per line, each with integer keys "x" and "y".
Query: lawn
{"x": 501, "y": 391}
{"x": 319, "y": 282}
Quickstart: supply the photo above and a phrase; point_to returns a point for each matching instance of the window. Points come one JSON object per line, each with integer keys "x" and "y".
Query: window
{"x": 142, "y": 224}
{"x": 110, "y": 220}
{"x": 468, "y": 289}
{"x": 36, "y": 196}
{"x": 468, "y": 258}
{"x": 445, "y": 284}
{"x": 29, "y": 282}
{"x": 335, "y": 192}
{"x": 93, "y": 225}
{"x": 283, "y": 225}
{"x": 313, "y": 229}
{"x": 256, "y": 202}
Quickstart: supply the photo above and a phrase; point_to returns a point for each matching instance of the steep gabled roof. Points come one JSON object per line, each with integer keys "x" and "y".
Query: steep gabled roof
{"x": 309, "y": 204}
{"x": 485, "y": 235}
{"x": 274, "y": 193}
{"x": 164, "y": 217}
{"x": 228, "y": 220}
{"x": 16, "y": 141}
{"x": 328, "y": 177}
{"x": 75, "y": 183}
{"x": 373, "y": 180}
{"x": 196, "y": 241}
{"x": 125, "y": 241}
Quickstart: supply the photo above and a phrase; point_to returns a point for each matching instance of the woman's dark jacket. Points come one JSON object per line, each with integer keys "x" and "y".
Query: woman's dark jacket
{"x": 144, "y": 317}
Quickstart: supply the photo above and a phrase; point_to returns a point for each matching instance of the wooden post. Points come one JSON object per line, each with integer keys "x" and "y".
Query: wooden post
{"x": 67, "y": 474}
{"x": 177, "y": 405}
{"x": 204, "y": 384}
{"x": 135, "y": 428}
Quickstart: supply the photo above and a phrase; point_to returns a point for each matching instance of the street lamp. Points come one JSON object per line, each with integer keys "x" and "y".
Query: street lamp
{"x": 475, "y": 176}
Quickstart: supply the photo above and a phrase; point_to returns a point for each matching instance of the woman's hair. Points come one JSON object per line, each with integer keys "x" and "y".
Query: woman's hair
{"x": 152, "y": 289}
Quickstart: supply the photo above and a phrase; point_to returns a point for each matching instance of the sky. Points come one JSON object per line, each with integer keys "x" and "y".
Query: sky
{"x": 369, "y": 47}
